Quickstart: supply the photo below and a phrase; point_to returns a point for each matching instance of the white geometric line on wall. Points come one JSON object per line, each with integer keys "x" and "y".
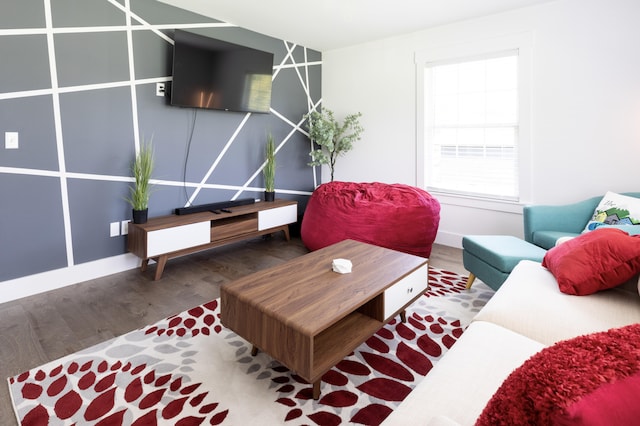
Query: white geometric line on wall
{"x": 113, "y": 178}
{"x": 57, "y": 120}
{"x": 115, "y": 28}
{"x": 132, "y": 76}
{"x": 219, "y": 158}
{"x": 288, "y": 56}
{"x": 295, "y": 128}
{"x": 82, "y": 88}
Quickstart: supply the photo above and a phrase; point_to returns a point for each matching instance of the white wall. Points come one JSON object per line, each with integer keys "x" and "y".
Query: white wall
{"x": 585, "y": 106}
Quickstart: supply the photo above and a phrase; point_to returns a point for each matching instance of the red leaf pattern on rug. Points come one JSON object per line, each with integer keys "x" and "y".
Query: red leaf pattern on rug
{"x": 353, "y": 367}
{"x": 101, "y": 405}
{"x": 371, "y": 415}
{"x": 413, "y": 359}
{"x": 219, "y": 418}
{"x": 325, "y": 418}
{"x": 68, "y": 405}
{"x": 335, "y": 378}
{"x": 87, "y": 380}
{"x": 37, "y": 416}
{"x": 429, "y": 346}
{"x": 404, "y": 331}
{"x": 114, "y": 419}
{"x": 205, "y": 409}
{"x": 98, "y": 384}
{"x": 57, "y": 386}
{"x": 148, "y": 419}
{"x": 31, "y": 391}
{"x": 340, "y": 398}
{"x": 385, "y": 389}
{"x": 134, "y": 390}
{"x": 152, "y": 399}
{"x": 173, "y": 408}
{"x": 387, "y": 366}
{"x": 286, "y": 401}
{"x": 293, "y": 414}
{"x": 377, "y": 344}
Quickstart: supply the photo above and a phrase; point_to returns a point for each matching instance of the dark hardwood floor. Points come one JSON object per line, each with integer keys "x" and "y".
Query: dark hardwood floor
{"x": 41, "y": 328}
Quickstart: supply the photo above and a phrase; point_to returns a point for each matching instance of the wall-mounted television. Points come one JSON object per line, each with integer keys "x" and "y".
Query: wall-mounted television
{"x": 215, "y": 74}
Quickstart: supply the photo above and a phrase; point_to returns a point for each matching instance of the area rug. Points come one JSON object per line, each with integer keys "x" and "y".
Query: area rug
{"x": 189, "y": 370}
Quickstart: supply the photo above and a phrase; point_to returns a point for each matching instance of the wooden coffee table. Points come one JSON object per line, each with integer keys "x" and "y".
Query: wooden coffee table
{"x": 309, "y": 318}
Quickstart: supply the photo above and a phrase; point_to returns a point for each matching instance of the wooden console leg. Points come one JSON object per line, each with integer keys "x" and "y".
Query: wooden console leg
{"x": 285, "y": 229}
{"x": 403, "y": 316}
{"x": 162, "y": 260}
{"x": 254, "y": 350}
{"x": 316, "y": 390}
{"x": 144, "y": 264}
{"x": 470, "y": 280}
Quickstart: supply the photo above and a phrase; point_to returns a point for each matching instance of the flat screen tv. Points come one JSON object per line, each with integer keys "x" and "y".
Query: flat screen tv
{"x": 215, "y": 74}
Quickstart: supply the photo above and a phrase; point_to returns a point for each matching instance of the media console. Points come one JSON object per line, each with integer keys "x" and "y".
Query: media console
{"x": 166, "y": 237}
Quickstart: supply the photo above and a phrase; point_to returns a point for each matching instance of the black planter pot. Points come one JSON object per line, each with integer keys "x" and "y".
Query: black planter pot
{"x": 269, "y": 195}
{"x": 140, "y": 216}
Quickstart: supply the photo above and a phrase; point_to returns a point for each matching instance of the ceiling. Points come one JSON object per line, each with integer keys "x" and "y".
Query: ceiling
{"x": 332, "y": 24}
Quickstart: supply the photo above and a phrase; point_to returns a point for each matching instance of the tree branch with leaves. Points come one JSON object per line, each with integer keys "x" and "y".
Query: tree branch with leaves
{"x": 334, "y": 139}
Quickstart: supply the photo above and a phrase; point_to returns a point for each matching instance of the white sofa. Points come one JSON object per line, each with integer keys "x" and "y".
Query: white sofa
{"x": 525, "y": 315}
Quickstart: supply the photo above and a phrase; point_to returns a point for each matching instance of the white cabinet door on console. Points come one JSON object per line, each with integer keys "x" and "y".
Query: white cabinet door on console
{"x": 278, "y": 216}
{"x": 177, "y": 238}
{"x": 405, "y": 290}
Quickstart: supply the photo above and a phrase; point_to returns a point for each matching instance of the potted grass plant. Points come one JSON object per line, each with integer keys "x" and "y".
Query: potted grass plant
{"x": 269, "y": 170}
{"x": 140, "y": 192}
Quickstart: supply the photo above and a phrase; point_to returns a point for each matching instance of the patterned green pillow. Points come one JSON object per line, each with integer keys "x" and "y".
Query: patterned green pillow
{"x": 616, "y": 210}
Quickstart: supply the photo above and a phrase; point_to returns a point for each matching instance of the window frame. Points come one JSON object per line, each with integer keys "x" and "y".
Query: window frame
{"x": 468, "y": 52}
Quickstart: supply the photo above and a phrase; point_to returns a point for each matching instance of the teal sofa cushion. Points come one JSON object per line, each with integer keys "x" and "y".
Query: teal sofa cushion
{"x": 547, "y": 239}
{"x": 503, "y": 252}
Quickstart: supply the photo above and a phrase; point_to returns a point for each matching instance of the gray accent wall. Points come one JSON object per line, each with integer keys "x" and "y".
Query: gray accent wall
{"x": 78, "y": 82}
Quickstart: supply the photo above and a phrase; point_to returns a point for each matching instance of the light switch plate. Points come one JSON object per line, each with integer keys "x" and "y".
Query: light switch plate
{"x": 11, "y": 140}
{"x": 114, "y": 229}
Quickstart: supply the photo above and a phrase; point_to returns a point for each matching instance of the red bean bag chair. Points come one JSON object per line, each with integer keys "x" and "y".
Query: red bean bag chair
{"x": 395, "y": 216}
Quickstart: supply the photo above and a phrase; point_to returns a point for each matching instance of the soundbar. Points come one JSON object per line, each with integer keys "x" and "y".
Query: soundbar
{"x": 214, "y": 206}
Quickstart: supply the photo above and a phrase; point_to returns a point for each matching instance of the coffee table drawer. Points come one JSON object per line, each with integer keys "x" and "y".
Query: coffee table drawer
{"x": 405, "y": 290}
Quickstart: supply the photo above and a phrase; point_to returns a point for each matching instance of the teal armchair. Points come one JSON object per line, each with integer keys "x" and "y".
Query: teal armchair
{"x": 544, "y": 224}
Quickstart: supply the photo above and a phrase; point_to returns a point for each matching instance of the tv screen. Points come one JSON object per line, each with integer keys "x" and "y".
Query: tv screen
{"x": 215, "y": 74}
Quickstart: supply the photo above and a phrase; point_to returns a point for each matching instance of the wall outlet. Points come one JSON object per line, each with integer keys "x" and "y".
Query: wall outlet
{"x": 160, "y": 89}
{"x": 124, "y": 227}
{"x": 114, "y": 229}
{"x": 11, "y": 140}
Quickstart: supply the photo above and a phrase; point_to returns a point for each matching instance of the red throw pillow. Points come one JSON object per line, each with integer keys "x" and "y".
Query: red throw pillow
{"x": 594, "y": 261}
{"x": 587, "y": 380}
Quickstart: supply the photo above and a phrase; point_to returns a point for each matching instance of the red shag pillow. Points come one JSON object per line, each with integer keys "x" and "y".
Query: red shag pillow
{"x": 594, "y": 261}
{"x": 587, "y": 380}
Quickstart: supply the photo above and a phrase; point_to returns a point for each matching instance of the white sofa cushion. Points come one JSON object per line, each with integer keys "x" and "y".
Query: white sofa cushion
{"x": 463, "y": 381}
{"x": 530, "y": 303}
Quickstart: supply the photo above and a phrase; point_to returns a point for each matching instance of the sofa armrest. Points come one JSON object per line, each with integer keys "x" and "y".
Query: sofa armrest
{"x": 569, "y": 218}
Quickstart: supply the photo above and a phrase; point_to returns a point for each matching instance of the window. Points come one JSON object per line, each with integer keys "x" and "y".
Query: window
{"x": 473, "y": 121}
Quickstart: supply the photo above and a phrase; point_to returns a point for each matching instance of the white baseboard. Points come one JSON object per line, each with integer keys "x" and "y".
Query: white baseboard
{"x": 51, "y": 280}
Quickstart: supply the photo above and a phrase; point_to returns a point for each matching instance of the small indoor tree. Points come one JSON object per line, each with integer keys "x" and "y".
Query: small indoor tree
{"x": 334, "y": 139}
